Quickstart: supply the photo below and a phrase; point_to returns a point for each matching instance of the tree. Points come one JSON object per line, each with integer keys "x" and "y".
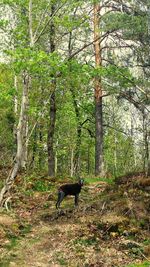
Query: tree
{"x": 99, "y": 168}
{"x": 58, "y": 64}
{"x": 52, "y": 100}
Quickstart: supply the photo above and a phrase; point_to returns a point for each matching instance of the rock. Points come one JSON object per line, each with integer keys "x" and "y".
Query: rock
{"x": 51, "y": 197}
{"x": 131, "y": 231}
{"x": 114, "y": 234}
{"x": 6, "y": 220}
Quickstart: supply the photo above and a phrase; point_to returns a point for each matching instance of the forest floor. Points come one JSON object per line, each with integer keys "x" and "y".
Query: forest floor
{"x": 110, "y": 228}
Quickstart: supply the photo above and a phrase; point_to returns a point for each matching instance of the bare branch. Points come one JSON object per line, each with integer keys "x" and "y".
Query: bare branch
{"x": 41, "y": 21}
{"x": 101, "y": 38}
{"x": 47, "y": 23}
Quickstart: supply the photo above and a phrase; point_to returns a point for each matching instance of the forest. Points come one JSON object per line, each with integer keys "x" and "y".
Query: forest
{"x": 75, "y": 103}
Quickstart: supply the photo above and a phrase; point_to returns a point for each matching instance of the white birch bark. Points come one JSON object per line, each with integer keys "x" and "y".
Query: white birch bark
{"x": 22, "y": 129}
{"x": 20, "y": 144}
{"x": 15, "y": 112}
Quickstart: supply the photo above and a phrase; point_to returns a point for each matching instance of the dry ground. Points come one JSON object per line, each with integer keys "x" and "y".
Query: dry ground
{"x": 109, "y": 229}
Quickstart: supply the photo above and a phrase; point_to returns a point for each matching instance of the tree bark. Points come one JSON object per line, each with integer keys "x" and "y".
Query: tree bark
{"x": 50, "y": 138}
{"x": 30, "y": 24}
{"x": 146, "y": 140}
{"x": 52, "y": 112}
{"x": 22, "y": 129}
{"x": 15, "y": 115}
{"x": 99, "y": 165}
{"x": 88, "y": 160}
{"x": 78, "y": 138}
{"x": 24, "y": 123}
{"x": 40, "y": 154}
{"x": 71, "y": 162}
{"x": 34, "y": 148}
{"x": 19, "y": 162}
{"x": 76, "y": 162}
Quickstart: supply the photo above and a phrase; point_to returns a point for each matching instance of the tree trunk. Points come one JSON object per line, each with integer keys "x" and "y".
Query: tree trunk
{"x": 50, "y": 139}
{"x": 30, "y": 24}
{"x": 78, "y": 138}
{"x": 72, "y": 162}
{"x": 77, "y": 152}
{"x": 76, "y": 169}
{"x": 15, "y": 115}
{"x": 88, "y": 160}
{"x": 34, "y": 148}
{"x": 146, "y": 157}
{"x": 25, "y": 123}
{"x": 99, "y": 166}
{"x": 52, "y": 112}
{"x": 56, "y": 158}
{"x": 22, "y": 129}
{"x": 40, "y": 154}
{"x": 20, "y": 143}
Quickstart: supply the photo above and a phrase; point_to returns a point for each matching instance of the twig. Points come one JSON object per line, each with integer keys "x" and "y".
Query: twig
{"x": 103, "y": 206}
{"x": 6, "y": 203}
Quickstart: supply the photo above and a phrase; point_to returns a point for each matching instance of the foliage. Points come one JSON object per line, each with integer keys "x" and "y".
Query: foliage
{"x": 126, "y": 28}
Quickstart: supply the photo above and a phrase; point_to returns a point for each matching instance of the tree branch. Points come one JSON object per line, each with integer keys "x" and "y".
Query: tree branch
{"x": 101, "y": 38}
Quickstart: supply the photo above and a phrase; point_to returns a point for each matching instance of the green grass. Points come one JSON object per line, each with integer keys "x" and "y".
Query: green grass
{"x": 41, "y": 186}
{"x": 12, "y": 244}
{"x": 60, "y": 259}
{"x": 85, "y": 241}
{"x": 5, "y": 264}
{"x": 25, "y": 229}
{"x": 91, "y": 180}
{"x": 146, "y": 242}
{"x": 144, "y": 264}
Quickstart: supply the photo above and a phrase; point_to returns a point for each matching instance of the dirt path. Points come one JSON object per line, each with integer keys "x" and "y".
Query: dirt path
{"x": 88, "y": 237}
{"x": 65, "y": 242}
